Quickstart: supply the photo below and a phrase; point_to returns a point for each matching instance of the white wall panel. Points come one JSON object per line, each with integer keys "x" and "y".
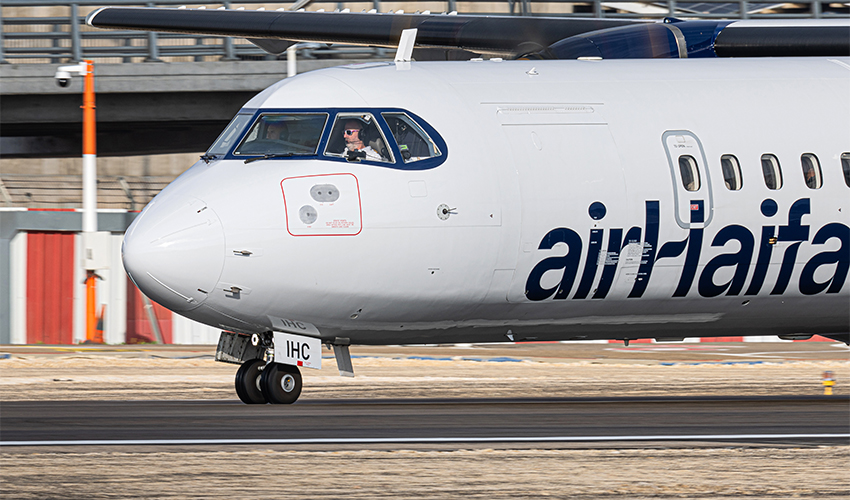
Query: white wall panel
{"x": 112, "y": 292}
{"x": 18, "y": 288}
{"x": 186, "y": 331}
{"x": 79, "y": 292}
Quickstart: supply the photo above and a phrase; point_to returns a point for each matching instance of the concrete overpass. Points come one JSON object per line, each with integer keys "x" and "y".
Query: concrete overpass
{"x": 143, "y": 108}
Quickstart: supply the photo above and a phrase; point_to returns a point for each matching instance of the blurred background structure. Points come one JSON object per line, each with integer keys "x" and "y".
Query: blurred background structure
{"x": 161, "y": 100}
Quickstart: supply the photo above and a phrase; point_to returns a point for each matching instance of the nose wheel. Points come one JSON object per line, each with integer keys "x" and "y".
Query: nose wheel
{"x": 281, "y": 384}
{"x": 248, "y": 385}
{"x": 260, "y": 383}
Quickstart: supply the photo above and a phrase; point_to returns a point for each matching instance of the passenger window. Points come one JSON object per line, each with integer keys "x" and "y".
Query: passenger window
{"x": 731, "y": 172}
{"x": 228, "y": 138}
{"x": 845, "y": 166}
{"x": 690, "y": 172}
{"x": 811, "y": 171}
{"x": 284, "y": 134}
{"x": 413, "y": 143}
{"x": 771, "y": 170}
{"x": 356, "y": 137}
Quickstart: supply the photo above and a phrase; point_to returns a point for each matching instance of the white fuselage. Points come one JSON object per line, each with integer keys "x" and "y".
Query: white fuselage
{"x": 564, "y": 186}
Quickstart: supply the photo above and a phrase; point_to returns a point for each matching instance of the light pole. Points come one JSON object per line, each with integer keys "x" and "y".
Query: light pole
{"x": 94, "y": 243}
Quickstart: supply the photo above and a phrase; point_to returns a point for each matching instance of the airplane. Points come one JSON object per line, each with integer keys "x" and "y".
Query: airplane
{"x": 591, "y": 179}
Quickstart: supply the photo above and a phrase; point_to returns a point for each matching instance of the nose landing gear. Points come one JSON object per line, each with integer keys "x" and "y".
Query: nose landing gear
{"x": 270, "y": 361}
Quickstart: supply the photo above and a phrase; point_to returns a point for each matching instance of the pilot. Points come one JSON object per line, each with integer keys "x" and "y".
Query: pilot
{"x": 354, "y": 142}
{"x": 277, "y": 131}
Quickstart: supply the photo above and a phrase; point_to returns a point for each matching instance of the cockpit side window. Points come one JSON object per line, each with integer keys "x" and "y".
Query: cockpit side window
{"x": 228, "y": 138}
{"x": 284, "y": 134}
{"x": 356, "y": 137}
{"x": 413, "y": 143}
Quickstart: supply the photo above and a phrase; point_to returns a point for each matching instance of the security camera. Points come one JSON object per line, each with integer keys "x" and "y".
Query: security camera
{"x": 63, "y": 78}
{"x": 63, "y": 73}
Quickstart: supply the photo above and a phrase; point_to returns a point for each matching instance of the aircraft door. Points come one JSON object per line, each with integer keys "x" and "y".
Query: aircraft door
{"x": 692, "y": 194}
{"x": 567, "y": 174}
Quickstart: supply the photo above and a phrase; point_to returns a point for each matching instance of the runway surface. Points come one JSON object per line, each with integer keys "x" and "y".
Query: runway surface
{"x": 409, "y": 420}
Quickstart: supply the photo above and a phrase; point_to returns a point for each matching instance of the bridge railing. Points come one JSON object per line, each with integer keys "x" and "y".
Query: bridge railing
{"x": 65, "y": 191}
{"x": 54, "y": 31}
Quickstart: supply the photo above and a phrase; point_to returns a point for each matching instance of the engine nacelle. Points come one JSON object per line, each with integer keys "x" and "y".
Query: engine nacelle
{"x": 671, "y": 39}
{"x": 688, "y": 39}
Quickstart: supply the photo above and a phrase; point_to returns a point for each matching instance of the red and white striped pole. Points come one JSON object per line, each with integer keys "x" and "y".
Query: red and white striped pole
{"x": 90, "y": 194}
{"x": 89, "y": 152}
{"x": 63, "y": 75}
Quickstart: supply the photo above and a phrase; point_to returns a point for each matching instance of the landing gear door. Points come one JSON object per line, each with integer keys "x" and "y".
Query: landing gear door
{"x": 297, "y": 350}
{"x": 692, "y": 193}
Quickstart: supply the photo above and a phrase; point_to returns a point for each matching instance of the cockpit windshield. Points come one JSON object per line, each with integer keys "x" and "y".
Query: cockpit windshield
{"x": 284, "y": 134}
{"x": 228, "y": 138}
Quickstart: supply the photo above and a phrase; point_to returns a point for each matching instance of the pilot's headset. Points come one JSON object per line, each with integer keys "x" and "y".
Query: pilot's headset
{"x": 365, "y": 127}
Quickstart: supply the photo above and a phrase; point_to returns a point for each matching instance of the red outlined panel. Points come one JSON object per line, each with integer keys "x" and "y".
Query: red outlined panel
{"x": 50, "y": 288}
{"x": 322, "y": 205}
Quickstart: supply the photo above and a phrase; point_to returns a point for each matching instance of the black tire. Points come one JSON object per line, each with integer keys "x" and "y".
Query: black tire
{"x": 281, "y": 384}
{"x": 248, "y": 382}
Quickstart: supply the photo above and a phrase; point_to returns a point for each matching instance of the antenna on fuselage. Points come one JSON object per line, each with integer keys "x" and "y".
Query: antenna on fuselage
{"x": 300, "y": 4}
{"x": 405, "y": 46}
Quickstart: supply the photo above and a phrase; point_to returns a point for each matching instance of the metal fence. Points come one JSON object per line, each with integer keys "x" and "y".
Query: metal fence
{"x": 54, "y": 31}
{"x": 66, "y": 191}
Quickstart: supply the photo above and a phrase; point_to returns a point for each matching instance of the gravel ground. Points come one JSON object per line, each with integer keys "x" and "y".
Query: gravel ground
{"x": 447, "y": 373}
{"x": 707, "y": 472}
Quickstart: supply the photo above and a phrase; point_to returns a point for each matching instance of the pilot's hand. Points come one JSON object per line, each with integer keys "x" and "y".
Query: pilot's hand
{"x": 354, "y": 155}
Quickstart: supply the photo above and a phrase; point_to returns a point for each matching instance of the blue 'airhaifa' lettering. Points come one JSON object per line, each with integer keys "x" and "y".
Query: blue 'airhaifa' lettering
{"x": 795, "y": 232}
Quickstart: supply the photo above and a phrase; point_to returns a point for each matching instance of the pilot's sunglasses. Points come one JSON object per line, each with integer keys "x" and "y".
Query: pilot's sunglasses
{"x": 350, "y": 131}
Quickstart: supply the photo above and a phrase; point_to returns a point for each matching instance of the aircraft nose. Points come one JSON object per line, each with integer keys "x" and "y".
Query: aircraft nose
{"x": 174, "y": 252}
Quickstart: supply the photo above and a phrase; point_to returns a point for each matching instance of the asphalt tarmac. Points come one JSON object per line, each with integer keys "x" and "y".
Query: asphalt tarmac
{"x": 336, "y": 421}
{"x": 413, "y": 414}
